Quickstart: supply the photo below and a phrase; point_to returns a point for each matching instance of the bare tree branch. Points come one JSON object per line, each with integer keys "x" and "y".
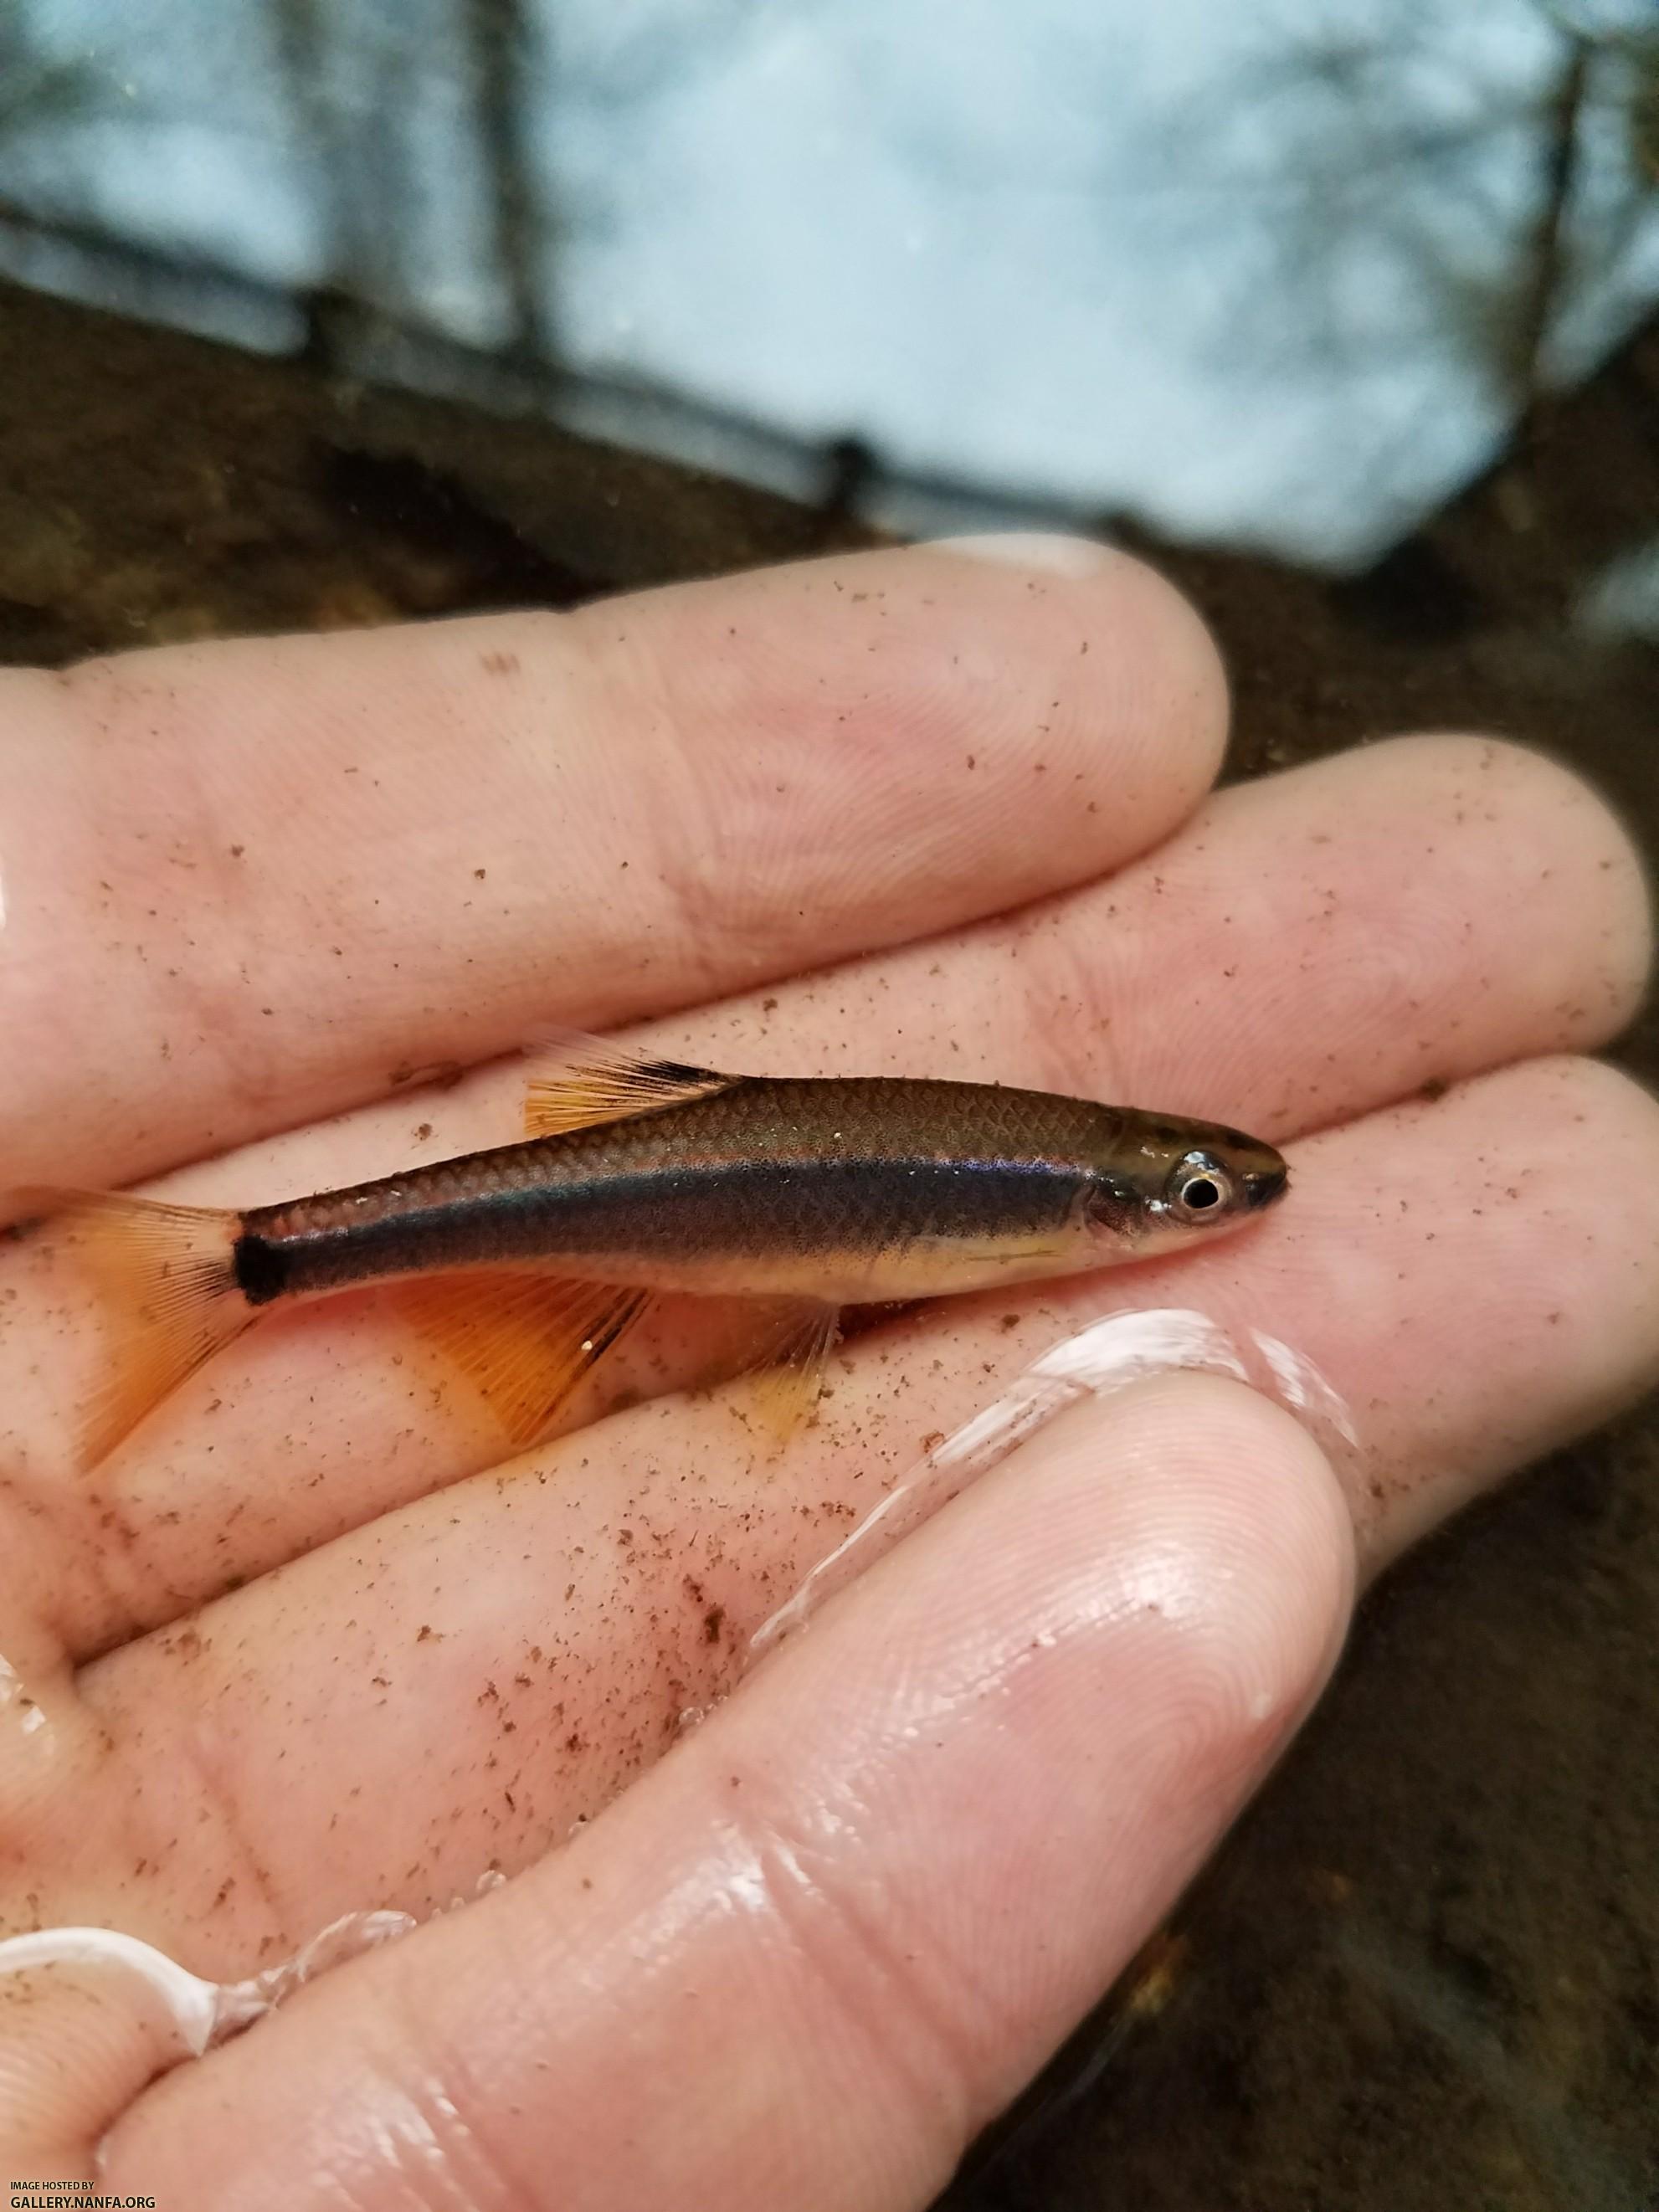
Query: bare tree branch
{"x": 497, "y": 33}
{"x": 1545, "y": 259}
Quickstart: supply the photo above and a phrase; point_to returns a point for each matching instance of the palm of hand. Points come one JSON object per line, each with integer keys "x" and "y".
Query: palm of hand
{"x": 300, "y": 1649}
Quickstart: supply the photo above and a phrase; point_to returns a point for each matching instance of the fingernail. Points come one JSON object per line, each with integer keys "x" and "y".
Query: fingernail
{"x": 1045, "y": 550}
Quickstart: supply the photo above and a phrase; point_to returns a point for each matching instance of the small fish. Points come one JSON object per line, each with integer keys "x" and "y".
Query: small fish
{"x": 524, "y": 1266}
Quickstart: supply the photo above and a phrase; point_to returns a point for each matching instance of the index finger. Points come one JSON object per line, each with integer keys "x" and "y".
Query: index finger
{"x": 246, "y": 885}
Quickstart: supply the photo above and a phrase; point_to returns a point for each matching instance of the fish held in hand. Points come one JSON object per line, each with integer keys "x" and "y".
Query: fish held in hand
{"x": 524, "y": 1264}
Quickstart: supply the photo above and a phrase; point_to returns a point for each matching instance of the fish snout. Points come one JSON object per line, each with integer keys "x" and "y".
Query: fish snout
{"x": 1263, "y": 1185}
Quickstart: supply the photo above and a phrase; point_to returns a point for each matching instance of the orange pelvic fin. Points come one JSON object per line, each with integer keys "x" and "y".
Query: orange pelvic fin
{"x": 579, "y": 1082}
{"x": 784, "y": 1369}
{"x": 165, "y": 1279}
{"x": 522, "y": 1341}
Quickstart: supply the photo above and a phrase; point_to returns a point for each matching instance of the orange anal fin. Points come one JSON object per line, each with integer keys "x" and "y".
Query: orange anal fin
{"x": 165, "y": 1278}
{"x": 521, "y": 1342}
{"x": 784, "y": 1370}
{"x": 581, "y": 1082}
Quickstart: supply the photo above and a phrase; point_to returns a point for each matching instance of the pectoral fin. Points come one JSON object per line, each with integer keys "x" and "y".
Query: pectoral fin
{"x": 522, "y": 1342}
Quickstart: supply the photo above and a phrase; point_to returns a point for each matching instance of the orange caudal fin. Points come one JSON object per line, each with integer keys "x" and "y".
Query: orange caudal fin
{"x": 166, "y": 1279}
{"x": 521, "y": 1342}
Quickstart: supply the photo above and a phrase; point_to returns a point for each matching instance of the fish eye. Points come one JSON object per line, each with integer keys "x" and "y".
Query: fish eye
{"x": 1199, "y": 1186}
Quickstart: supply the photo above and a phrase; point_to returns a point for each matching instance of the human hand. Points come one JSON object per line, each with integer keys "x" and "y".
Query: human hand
{"x": 298, "y": 1648}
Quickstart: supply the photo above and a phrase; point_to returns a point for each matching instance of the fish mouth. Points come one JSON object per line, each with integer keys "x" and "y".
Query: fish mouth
{"x": 1264, "y": 1186}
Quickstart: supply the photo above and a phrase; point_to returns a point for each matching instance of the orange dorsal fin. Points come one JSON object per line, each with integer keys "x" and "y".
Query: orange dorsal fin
{"x": 522, "y": 1342}
{"x": 165, "y": 1277}
{"x": 581, "y": 1082}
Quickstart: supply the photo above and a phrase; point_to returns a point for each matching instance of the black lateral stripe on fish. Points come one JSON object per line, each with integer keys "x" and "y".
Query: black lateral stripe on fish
{"x": 524, "y": 1264}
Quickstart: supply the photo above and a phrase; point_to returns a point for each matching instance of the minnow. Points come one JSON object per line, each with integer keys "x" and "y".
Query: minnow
{"x": 527, "y": 1264}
